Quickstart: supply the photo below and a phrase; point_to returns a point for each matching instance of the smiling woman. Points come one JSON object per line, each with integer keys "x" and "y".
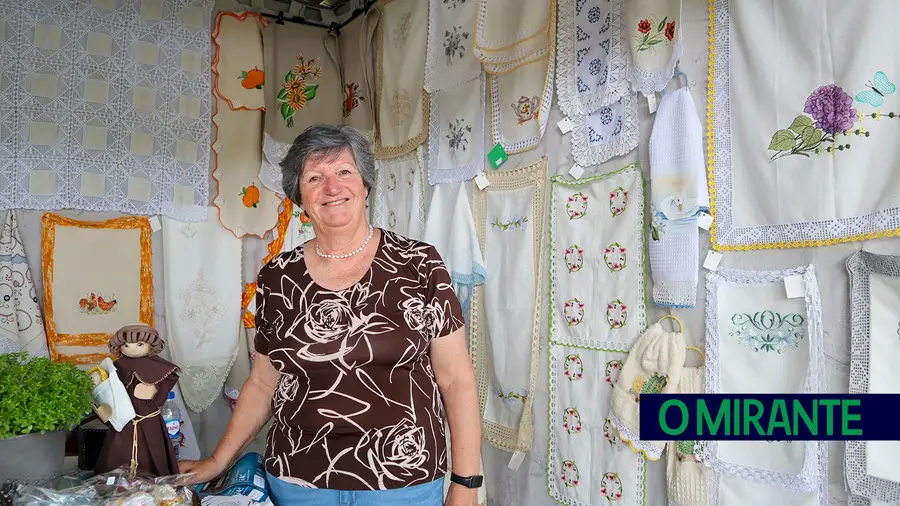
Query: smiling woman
{"x": 360, "y": 346}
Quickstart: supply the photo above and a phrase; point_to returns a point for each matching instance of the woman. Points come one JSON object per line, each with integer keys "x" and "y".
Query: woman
{"x": 360, "y": 347}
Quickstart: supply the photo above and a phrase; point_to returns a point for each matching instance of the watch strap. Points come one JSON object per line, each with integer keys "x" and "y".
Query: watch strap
{"x": 467, "y": 481}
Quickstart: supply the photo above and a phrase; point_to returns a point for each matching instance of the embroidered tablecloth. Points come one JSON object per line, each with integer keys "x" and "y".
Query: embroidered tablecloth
{"x": 21, "y": 322}
{"x": 400, "y": 194}
{"x": 238, "y": 71}
{"x": 653, "y": 33}
{"x": 456, "y": 133}
{"x": 520, "y": 104}
{"x": 450, "y": 60}
{"x": 609, "y": 131}
{"x": 106, "y": 106}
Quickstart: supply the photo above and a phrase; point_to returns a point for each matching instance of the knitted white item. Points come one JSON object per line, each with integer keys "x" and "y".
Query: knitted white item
{"x": 678, "y": 193}
{"x": 685, "y": 475}
{"x": 654, "y": 365}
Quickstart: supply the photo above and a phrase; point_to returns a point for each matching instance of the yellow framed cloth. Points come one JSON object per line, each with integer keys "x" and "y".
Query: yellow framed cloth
{"x": 97, "y": 278}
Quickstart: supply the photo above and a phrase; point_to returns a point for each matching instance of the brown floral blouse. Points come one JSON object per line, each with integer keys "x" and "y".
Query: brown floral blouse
{"x": 357, "y": 405}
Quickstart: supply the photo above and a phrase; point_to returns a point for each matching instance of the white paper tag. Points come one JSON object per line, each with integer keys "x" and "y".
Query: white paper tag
{"x": 795, "y": 286}
{"x": 565, "y": 125}
{"x": 704, "y": 221}
{"x": 651, "y": 102}
{"x": 482, "y": 181}
{"x": 189, "y": 230}
{"x": 516, "y": 460}
{"x": 576, "y": 171}
{"x": 110, "y": 480}
{"x": 712, "y": 260}
{"x": 155, "y": 225}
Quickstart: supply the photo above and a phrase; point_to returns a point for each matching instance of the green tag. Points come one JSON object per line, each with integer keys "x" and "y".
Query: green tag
{"x": 497, "y": 155}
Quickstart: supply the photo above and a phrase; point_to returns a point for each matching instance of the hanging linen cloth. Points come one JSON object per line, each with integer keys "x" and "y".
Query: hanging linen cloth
{"x": 450, "y": 62}
{"x": 609, "y": 131}
{"x": 450, "y": 228}
{"x": 588, "y": 463}
{"x": 760, "y": 341}
{"x": 21, "y": 322}
{"x": 592, "y": 55}
{"x": 203, "y": 316}
{"x": 505, "y": 311}
{"x": 653, "y": 32}
{"x": 871, "y": 466}
{"x": 245, "y": 206}
{"x": 520, "y": 105}
{"x": 456, "y": 133}
{"x": 237, "y": 66}
{"x": 597, "y": 260}
{"x": 400, "y": 78}
{"x": 678, "y": 194}
{"x": 353, "y": 50}
{"x": 303, "y": 87}
{"x": 686, "y": 477}
{"x": 503, "y": 44}
{"x": 400, "y": 195}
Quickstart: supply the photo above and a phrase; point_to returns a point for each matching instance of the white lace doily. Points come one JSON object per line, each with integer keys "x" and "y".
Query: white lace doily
{"x": 609, "y": 131}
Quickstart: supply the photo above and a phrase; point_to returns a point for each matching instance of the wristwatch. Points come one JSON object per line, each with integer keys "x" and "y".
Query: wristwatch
{"x": 467, "y": 481}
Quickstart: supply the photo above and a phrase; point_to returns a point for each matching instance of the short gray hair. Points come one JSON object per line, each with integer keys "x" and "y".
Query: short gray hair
{"x": 320, "y": 142}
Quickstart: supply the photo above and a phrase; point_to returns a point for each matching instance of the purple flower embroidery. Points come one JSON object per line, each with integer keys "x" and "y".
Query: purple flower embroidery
{"x": 832, "y": 109}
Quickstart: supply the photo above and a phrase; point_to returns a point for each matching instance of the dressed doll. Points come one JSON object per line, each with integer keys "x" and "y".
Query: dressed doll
{"x": 143, "y": 444}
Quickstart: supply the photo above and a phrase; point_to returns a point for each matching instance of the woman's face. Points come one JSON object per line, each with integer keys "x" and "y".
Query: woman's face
{"x": 332, "y": 191}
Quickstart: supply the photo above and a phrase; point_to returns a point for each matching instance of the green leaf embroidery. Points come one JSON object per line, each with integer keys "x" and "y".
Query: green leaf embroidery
{"x": 811, "y": 136}
{"x": 662, "y": 24}
{"x": 800, "y": 123}
{"x": 310, "y": 91}
{"x": 783, "y": 140}
{"x": 243, "y": 75}
{"x": 282, "y": 95}
{"x": 289, "y": 76}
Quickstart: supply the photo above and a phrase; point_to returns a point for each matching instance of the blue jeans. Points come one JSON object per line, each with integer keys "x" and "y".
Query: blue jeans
{"x": 282, "y": 493}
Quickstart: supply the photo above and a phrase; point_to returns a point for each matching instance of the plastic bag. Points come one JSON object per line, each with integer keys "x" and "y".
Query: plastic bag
{"x": 115, "y": 488}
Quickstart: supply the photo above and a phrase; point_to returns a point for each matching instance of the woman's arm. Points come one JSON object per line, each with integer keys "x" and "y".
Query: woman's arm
{"x": 456, "y": 381}
{"x": 253, "y": 410}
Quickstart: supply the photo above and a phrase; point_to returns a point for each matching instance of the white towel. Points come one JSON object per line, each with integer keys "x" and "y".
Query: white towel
{"x": 112, "y": 392}
{"x": 451, "y": 229}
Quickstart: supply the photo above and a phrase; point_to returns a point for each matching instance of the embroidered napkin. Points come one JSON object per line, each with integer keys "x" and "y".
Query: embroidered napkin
{"x": 21, "y": 322}
{"x": 400, "y": 195}
{"x": 678, "y": 193}
{"x": 450, "y": 61}
{"x": 303, "y": 88}
{"x": 653, "y": 31}
{"x": 403, "y": 103}
{"x": 686, "y": 477}
{"x": 520, "y": 105}
{"x": 596, "y": 262}
{"x": 654, "y": 366}
{"x": 456, "y": 133}
{"x": 451, "y": 229}
{"x": 592, "y": 55}
{"x": 245, "y": 206}
{"x": 508, "y": 31}
{"x": 610, "y": 131}
{"x": 760, "y": 341}
{"x": 238, "y": 72}
{"x": 529, "y": 51}
{"x": 112, "y": 392}
{"x": 203, "y": 296}
{"x": 871, "y": 469}
{"x": 588, "y": 463}
{"x": 357, "y": 51}
{"x": 506, "y": 310}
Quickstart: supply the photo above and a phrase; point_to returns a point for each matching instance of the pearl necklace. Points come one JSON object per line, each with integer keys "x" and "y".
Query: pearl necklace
{"x": 348, "y": 255}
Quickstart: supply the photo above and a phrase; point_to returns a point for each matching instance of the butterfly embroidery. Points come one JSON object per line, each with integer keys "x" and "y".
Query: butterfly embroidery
{"x": 878, "y": 88}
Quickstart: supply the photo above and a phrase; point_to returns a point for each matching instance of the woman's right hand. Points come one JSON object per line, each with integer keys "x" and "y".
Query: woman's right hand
{"x": 203, "y": 470}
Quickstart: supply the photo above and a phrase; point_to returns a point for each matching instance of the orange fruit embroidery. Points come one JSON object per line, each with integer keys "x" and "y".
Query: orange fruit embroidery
{"x": 253, "y": 79}
{"x": 250, "y": 196}
{"x": 304, "y": 218}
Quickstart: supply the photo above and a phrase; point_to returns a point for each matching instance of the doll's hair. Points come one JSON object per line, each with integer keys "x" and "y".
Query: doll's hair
{"x": 102, "y": 372}
{"x": 136, "y": 333}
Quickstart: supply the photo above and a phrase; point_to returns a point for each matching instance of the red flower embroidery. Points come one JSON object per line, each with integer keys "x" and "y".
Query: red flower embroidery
{"x": 670, "y": 30}
{"x": 644, "y": 26}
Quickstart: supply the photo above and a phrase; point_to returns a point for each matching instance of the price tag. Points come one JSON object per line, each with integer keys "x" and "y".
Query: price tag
{"x": 110, "y": 480}
{"x": 651, "y": 103}
{"x": 795, "y": 286}
{"x": 711, "y": 263}
{"x": 516, "y": 460}
{"x": 482, "y": 181}
{"x": 565, "y": 126}
{"x": 576, "y": 171}
{"x": 155, "y": 225}
{"x": 704, "y": 221}
{"x": 497, "y": 156}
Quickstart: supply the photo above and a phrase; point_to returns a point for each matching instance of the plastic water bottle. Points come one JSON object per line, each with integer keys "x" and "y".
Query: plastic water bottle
{"x": 172, "y": 416}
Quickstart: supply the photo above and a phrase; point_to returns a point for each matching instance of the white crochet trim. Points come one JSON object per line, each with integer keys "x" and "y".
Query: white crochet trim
{"x": 505, "y": 67}
{"x": 465, "y": 172}
{"x": 379, "y": 205}
{"x": 270, "y": 170}
{"x": 814, "y": 471}
{"x": 641, "y": 303}
{"x": 543, "y": 113}
{"x": 678, "y": 294}
{"x": 570, "y": 101}
{"x": 651, "y": 452}
{"x": 652, "y": 81}
{"x": 587, "y": 154}
{"x": 435, "y": 81}
{"x": 860, "y": 266}
{"x": 481, "y": 15}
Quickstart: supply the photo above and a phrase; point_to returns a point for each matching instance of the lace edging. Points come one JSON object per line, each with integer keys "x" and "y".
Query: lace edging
{"x": 648, "y": 82}
{"x": 546, "y": 98}
{"x": 811, "y": 475}
{"x": 649, "y": 451}
{"x": 587, "y": 154}
{"x": 465, "y": 172}
{"x": 205, "y": 394}
{"x": 378, "y": 212}
{"x": 519, "y": 37}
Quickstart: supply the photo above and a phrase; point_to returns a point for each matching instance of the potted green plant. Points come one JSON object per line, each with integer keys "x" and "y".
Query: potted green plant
{"x": 39, "y": 402}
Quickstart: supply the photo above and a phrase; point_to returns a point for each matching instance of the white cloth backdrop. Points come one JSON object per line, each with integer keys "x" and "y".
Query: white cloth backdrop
{"x": 528, "y": 483}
